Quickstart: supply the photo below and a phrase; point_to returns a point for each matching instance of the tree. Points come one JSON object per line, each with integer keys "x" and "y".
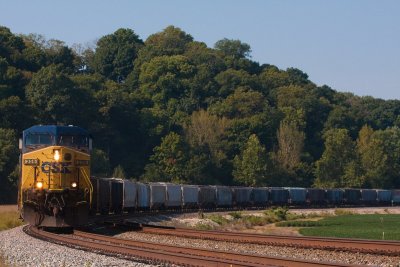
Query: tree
{"x": 171, "y": 41}
{"x": 206, "y": 130}
{"x": 100, "y": 163}
{"x": 379, "y": 156}
{"x": 244, "y": 102}
{"x": 250, "y": 166}
{"x": 54, "y": 97}
{"x": 291, "y": 144}
{"x": 119, "y": 172}
{"x": 115, "y": 54}
{"x": 338, "y": 155}
{"x": 8, "y": 164}
{"x": 231, "y": 79}
{"x": 234, "y": 48}
{"x": 168, "y": 161}
{"x": 166, "y": 77}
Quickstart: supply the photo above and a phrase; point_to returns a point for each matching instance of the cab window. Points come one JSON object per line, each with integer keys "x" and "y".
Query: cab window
{"x": 38, "y": 139}
{"x": 73, "y": 140}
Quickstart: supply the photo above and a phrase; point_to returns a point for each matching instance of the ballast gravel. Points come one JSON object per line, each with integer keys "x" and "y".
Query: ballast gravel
{"x": 19, "y": 249}
{"x": 318, "y": 255}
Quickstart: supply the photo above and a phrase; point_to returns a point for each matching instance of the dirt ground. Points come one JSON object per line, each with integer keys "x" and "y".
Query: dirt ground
{"x": 358, "y": 210}
{"x": 6, "y": 208}
{"x": 191, "y": 219}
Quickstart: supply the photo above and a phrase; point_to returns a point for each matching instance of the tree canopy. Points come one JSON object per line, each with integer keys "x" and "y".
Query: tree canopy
{"x": 169, "y": 108}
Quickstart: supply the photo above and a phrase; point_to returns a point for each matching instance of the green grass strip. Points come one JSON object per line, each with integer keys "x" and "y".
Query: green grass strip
{"x": 368, "y": 226}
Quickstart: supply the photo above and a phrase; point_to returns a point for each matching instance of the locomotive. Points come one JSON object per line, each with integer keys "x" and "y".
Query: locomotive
{"x": 54, "y": 182}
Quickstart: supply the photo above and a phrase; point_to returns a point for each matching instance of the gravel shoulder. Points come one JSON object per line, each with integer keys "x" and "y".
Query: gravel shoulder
{"x": 286, "y": 252}
{"x": 19, "y": 249}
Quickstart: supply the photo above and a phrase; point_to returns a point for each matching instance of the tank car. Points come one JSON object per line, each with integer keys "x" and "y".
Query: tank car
{"x": 54, "y": 183}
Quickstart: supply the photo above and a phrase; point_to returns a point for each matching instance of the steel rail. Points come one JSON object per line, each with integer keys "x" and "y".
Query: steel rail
{"x": 246, "y": 258}
{"x": 166, "y": 254}
{"x": 337, "y": 244}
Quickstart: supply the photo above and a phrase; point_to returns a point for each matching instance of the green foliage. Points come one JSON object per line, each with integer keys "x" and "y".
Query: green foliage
{"x": 234, "y": 48}
{"x": 100, "y": 163}
{"x": 119, "y": 172}
{"x": 221, "y": 220}
{"x": 337, "y": 158}
{"x": 251, "y": 166}
{"x": 168, "y": 161}
{"x": 115, "y": 54}
{"x": 236, "y": 215}
{"x": 8, "y": 168}
{"x": 172, "y": 109}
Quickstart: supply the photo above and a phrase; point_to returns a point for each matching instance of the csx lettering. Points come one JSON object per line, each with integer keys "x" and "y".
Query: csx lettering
{"x": 56, "y": 167}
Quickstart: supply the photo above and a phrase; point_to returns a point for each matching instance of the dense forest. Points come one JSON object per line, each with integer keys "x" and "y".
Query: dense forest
{"x": 169, "y": 108}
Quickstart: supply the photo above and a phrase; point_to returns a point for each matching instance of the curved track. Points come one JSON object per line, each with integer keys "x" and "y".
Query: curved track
{"x": 338, "y": 244}
{"x": 164, "y": 254}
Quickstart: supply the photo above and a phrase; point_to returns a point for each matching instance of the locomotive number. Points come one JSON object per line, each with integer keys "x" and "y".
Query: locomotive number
{"x": 31, "y": 162}
{"x": 56, "y": 167}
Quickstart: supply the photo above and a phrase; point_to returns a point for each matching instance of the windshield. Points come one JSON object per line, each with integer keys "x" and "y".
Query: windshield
{"x": 73, "y": 140}
{"x": 38, "y": 139}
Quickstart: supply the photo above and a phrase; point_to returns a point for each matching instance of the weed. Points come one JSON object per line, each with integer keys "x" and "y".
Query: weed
{"x": 201, "y": 214}
{"x": 236, "y": 215}
{"x": 218, "y": 219}
{"x": 9, "y": 219}
{"x": 281, "y": 213}
{"x": 202, "y": 226}
{"x": 340, "y": 212}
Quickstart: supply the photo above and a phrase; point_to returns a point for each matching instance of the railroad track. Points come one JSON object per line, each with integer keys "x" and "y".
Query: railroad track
{"x": 164, "y": 254}
{"x": 336, "y": 244}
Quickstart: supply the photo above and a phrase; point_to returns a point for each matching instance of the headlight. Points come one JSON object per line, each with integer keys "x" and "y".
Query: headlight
{"x": 56, "y": 155}
{"x": 74, "y": 184}
{"x": 39, "y": 185}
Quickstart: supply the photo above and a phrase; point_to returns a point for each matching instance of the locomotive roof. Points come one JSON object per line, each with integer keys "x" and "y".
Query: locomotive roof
{"x": 56, "y": 130}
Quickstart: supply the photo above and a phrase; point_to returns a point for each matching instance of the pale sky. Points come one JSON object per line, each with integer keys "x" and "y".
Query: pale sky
{"x": 351, "y": 46}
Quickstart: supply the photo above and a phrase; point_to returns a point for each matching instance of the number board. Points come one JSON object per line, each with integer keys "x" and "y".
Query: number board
{"x": 82, "y": 162}
{"x": 31, "y": 162}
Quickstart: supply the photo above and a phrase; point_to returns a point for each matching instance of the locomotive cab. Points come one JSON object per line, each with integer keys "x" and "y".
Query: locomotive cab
{"x": 54, "y": 187}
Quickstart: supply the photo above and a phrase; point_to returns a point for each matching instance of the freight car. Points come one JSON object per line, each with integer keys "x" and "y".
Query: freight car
{"x": 167, "y": 196}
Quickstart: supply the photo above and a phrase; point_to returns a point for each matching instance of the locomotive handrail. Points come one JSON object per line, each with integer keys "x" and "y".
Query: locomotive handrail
{"x": 87, "y": 179}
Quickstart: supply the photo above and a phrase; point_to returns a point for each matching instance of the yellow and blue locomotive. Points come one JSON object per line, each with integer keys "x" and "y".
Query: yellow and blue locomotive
{"x": 54, "y": 185}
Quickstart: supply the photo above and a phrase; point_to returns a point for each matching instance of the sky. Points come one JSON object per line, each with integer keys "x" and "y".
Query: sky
{"x": 349, "y": 45}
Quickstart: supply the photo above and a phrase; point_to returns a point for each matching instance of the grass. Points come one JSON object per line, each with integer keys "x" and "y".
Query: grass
{"x": 219, "y": 219}
{"x": 236, "y": 215}
{"x": 239, "y": 220}
{"x": 301, "y": 224}
{"x": 366, "y": 226}
{"x": 339, "y": 212}
{"x": 9, "y": 219}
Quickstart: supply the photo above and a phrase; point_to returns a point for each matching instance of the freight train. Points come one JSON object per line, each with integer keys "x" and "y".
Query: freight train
{"x": 54, "y": 182}
{"x": 113, "y": 195}
{"x": 56, "y": 189}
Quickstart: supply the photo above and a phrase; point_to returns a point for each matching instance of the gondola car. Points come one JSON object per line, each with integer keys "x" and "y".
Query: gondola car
{"x": 54, "y": 183}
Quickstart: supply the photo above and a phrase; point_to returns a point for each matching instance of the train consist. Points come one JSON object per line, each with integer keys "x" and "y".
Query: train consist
{"x": 54, "y": 183}
{"x": 113, "y": 195}
{"x": 56, "y": 189}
